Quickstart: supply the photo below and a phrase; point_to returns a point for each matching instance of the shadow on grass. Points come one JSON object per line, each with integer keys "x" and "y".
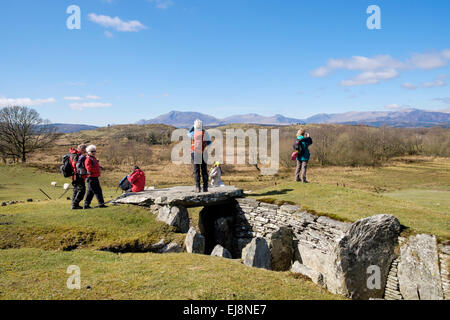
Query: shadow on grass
{"x": 272, "y": 193}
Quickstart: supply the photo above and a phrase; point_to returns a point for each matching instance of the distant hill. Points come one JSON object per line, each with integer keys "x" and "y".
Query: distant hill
{"x": 402, "y": 118}
{"x": 186, "y": 119}
{"x": 71, "y": 128}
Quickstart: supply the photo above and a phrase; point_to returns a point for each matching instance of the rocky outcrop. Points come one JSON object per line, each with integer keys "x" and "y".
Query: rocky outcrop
{"x": 281, "y": 246}
{"x": 256, "y": 254}
{"x": 314, "y": 275}
{"x": 418, "y": 270}
{"x": 177, "y": 217}
{"x": 194, "y": 242}
{"x": 369, "y": 242}
{"x": 220, "y": 251}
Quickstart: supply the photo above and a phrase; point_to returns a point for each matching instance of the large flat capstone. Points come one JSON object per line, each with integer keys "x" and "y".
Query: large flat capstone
{"x": 180, "y": 196}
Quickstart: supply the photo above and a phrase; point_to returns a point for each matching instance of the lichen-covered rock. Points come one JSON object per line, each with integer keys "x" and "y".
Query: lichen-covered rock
{"x": 314, "y": 275}
{"x": 194, "y": 242}
{"x": 256, "y": 254}
{"x": 175, "y": 216}
{"x": 220, "y": 251}
{"x": 369, "y": 242}
{"x": 281, "y": 246}
{"x": 418, "y": 270}
{"x": 172, "y": 247}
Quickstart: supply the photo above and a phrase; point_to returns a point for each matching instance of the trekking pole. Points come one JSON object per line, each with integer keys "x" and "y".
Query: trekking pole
{"x": 63, "y": 193}
{"x": 45, "y": 194}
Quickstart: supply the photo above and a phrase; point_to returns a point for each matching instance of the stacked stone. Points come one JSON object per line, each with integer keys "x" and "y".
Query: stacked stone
{"x": 392, "y": 290}
{"x": 444, "y": 257}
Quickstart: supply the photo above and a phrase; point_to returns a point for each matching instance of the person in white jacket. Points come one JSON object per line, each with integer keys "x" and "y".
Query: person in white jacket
{"x": 216, "y": 175}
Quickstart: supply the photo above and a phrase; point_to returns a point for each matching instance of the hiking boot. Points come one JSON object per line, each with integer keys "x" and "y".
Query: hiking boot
{"x": 102, "y": 206}
{"x": 197, "y": 189}
{"x": 87, "y": 207}
{"x": 205, "y": 189}
{"x": 77, "y": 208}
{"x": 305, "y": 181}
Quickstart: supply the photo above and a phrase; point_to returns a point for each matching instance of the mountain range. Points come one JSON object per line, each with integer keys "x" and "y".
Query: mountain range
{"x": 401, "y": 118}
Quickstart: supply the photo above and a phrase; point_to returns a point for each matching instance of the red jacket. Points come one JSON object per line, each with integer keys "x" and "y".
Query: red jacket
{"x": 73, "y": 163}
{"x": 137, "y": 180}
{"x": 92, "y": 166}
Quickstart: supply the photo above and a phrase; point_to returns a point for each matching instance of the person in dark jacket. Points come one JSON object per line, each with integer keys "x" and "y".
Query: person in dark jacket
{"x": 79, "y": 187}
{"x": 93, "y": 173}
{"x": 137, "y": 180}
{"x": 200, "y": 140}
{"x": 301, "y": 145}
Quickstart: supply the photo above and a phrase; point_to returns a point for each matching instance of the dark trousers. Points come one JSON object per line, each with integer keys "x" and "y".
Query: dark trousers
{"x": 79, "y": 190}
{"x": 200, "y": 168}
{"x": 94, "y": 189}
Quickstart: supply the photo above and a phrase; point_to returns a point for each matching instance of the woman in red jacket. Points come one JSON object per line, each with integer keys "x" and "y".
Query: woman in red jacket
{"x": 94, "y": 171}
{"x": 137, "y": 180}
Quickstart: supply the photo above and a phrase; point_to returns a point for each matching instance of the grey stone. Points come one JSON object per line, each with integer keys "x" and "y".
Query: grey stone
{"x": 281, "y": 246}
{"x": 368, "y": 242}
{"x": 314, "y": 275}
{"x": 157, "y": 247}
{"x": 194, "y": 242}
{"x": 418, "y": 270}
{"x": 220, "y": 251}
{"x": 175, "y": 216}
{"x": 256, "y": 254}
{"x": 180, "y": 196}
{"x": 172, "y": 247}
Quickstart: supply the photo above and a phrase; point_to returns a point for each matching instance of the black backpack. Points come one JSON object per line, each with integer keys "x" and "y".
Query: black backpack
{"x": 81, "y": 167}
{"x": 298, "y": 145}
{"x": 124, "y": 184}
{"x": 66, "y": 167}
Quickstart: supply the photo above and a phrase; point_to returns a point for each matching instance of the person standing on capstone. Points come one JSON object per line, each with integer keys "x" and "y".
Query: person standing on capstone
{"x": 199, "y": 141}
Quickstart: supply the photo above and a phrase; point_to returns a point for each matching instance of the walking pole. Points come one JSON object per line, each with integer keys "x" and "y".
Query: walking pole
{"x": 45, "y": 194}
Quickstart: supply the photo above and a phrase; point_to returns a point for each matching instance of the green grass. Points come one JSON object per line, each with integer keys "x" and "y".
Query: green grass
{"x": 52, "y": 225}
{"x": 352, "y": 204}
{"x": 39, "y": 274}
{"x": 436, "y": 200}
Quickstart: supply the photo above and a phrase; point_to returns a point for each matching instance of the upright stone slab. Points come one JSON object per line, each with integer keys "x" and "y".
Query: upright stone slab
{"x": 194, "y": 242}
{"x": 175, "y": 216}
{"x": 418, "y": 270}
{"x": 220, "y": 251}
{"x": 368, "y": 242}
{"x": 256, "y": 254}
{"x": 281, "y": 245}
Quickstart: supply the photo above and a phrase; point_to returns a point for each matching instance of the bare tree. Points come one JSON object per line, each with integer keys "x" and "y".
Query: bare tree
{"x": 23, "y": 131}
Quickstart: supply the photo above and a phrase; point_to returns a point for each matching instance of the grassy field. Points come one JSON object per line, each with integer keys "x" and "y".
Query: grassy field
{"x": 39, "y": 274}
{"x": 38, "y": 240}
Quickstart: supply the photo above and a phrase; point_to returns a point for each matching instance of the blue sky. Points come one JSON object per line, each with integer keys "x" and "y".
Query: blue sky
{"x": 137, "y": 59}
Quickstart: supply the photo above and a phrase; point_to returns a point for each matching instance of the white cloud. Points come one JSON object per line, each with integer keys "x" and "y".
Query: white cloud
{"x": 26, "y": 102}
{"x": 370, "y": 77}
{"x": 437, "y": 82}
{"x": 161, "y": 4}
{"x": 396, "y": 106}
{"x": 81, "y": 106}
{"x": 73, "y": 98}
{"x": 109, "y": 34}
{"x": 410, "y": 86}
{"x": 381, "y": 67}
{"x": 117, "y": 23}
{"x": 93, "y": 97}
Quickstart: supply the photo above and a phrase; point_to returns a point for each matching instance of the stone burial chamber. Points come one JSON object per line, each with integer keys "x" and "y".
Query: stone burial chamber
{"x": 366, "y": 259}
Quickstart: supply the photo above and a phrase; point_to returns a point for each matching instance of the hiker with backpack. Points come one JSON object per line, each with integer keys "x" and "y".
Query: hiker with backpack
{"x": 200, "y": 140}
{"x": 79, "y": 187}
{"x": 93, "y": 169}
{"x": 301, "y": 146}
{"x": 137, "y": 180}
